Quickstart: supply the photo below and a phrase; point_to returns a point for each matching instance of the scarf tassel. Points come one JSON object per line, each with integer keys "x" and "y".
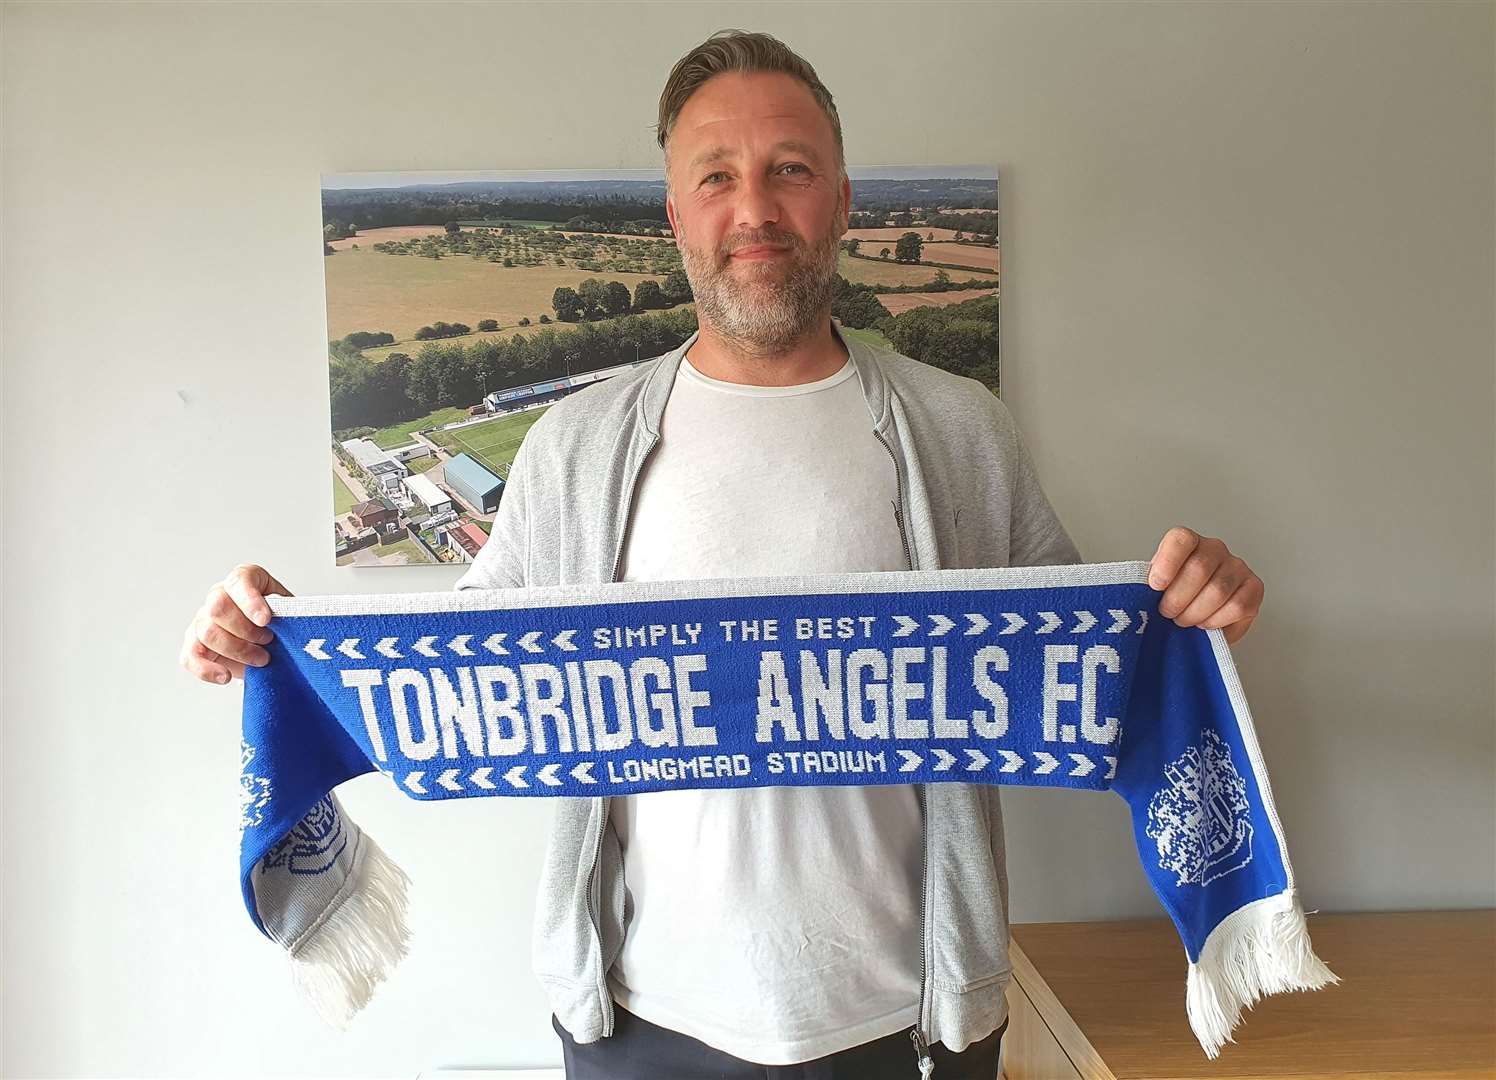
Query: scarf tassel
{"x": 1262, "y": 949}
{"x": 340, "y": 961}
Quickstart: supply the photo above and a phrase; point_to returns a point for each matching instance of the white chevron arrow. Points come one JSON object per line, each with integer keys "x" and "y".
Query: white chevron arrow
{"x": 911, "y": 761}
{"x": 527, "y": 642}
{"x": 1086, "y": 621}
{"x": 943, "y": 759}
{"x": 979, "y": 623}
{"x": 1049, "y": 766}
{"x": 314, "y": 649}
{"x": 979, "y": 760}
{"x": 563, "y": 640}
{"x": 1111, "y": 767}
{"x": 583, "y": 772}
{"x": 413, "y": 781}
{"x": 907, "y": 625}
{"x": 1121, "y": 623}
{"x": 424, "y": 647}
{"x": 1011, "y": 762}
{"x": 1142, "y": 622}
{"x": 1051, "y": 620}
{"x": 480, "y": 777}
{"x": 448, "y": 781}
{"x": 349, "y": 648}
{"x": 547, "y": 774}
{"x": 942, "y": 625}
{"x": 459, "y": 644}
{"x": 1016, "y": 623}
{"x": 1083, "y": 765}
{"x": 494, "y": 643}
{"x": 386, "y": 647}
{"x": 516, "y": 776}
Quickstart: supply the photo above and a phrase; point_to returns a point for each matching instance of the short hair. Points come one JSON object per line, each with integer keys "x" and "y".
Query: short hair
{"x": 745, "y": 51}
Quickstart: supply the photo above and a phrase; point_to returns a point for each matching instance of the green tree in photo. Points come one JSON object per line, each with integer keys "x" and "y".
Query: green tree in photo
{"x": 567, "y": 303}
{"x": 648, "y": 296}
{"x": 616, "y": 298}
{"x": 593, "y": 296}
{"x": 677, "y": 287}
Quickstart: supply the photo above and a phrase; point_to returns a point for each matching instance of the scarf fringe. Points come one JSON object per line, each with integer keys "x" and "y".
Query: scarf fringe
{"x": 1261, "y": 949}
{"x": 338, "y": 964}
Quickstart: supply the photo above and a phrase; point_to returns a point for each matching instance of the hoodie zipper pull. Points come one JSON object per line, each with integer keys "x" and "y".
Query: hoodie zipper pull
{"x": 922, "y": 1053}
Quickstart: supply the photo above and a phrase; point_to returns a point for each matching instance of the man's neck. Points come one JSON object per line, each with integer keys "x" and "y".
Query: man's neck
{"x": 814, "y": 358}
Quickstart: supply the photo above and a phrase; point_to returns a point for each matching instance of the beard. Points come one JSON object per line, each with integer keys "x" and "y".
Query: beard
{"x": 765, "y": 307}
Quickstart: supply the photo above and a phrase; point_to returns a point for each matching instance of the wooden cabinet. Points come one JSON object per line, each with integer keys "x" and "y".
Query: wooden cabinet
{"x": 1105, "y": 1001}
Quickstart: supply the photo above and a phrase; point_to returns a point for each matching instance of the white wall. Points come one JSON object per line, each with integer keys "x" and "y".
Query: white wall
{"x": 1249, "y": 288}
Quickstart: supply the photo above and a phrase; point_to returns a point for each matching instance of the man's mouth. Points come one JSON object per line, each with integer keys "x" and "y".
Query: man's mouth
{"x": 760, "y": 251}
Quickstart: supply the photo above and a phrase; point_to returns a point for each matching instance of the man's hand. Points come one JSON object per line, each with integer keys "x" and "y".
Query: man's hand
{"x": 228, "y": 630}
{"x": 1204, "y": 584}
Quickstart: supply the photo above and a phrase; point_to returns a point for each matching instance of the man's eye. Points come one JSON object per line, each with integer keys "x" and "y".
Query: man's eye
{"x": 796, "y": 165}
{"x": 708, "y": 179}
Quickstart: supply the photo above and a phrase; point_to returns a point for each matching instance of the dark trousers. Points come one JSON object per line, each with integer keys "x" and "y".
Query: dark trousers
{"x": 639, "y": 1050}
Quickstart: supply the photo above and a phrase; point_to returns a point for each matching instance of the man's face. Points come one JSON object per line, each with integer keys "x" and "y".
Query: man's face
{"x": 758, "y": 208}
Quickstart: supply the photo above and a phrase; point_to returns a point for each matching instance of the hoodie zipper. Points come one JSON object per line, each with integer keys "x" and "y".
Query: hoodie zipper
{"x": 922, "y": 1055}
{"x": 597, "y": 850}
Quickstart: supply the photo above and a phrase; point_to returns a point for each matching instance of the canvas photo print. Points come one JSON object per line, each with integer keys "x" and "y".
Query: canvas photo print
{"x": 460, "y": 306}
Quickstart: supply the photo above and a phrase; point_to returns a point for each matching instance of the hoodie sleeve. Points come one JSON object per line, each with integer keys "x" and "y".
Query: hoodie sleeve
{"x": 1036, "y": 536}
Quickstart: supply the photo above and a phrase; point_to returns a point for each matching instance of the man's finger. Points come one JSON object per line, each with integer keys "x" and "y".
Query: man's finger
{"x": 230, "y": 647}
{"x": 1196, "y": 571}
{"x": 206, "y": 664}
{"x": 228, "y": 612}
{"x": 1227, "y": 581}
{"x": 1241, "y": 604}
{"x": 248, "y": 586}
{"x": 1238, "y": 630}
{"x": 1176, "y": 546}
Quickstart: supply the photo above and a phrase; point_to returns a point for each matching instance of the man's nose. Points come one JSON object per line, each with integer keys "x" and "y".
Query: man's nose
{"x": 757, "y": 203}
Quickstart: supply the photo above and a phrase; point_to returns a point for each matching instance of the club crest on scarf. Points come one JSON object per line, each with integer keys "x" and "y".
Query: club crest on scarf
{"x": 313, "y": 845}
{"x": 1202, "y": 822}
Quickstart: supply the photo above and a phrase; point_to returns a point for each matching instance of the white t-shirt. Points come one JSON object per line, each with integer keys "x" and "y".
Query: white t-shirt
{"x": 776, "y": 924}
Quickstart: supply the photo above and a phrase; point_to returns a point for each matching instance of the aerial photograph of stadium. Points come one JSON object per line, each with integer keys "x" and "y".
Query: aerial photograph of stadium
{"x": 461, "y": 305}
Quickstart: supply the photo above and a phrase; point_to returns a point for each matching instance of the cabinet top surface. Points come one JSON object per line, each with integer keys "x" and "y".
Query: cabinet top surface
{"x": 1417, "y": 998}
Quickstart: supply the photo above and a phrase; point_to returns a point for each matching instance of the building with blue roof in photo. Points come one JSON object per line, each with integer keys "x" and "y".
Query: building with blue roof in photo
{"x": 478, "y": 487}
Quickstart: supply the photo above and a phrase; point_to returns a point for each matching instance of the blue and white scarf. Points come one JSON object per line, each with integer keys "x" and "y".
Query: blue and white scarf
{"x": 1053, "y": 676}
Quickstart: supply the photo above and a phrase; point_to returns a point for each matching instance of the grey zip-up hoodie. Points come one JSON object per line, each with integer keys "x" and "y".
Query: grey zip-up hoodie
{"x": 967, "y": 497}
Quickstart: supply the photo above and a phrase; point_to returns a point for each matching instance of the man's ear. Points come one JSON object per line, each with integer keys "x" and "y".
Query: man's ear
{"x": 674, "y": 225}
{"x": 846, "y": 202}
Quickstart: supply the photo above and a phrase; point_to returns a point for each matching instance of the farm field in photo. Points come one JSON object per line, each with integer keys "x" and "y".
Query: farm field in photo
{"x": 494, "y": 442}
{"x": 399, "y": 294}
{"x": 898, "y": 303}
{"x": 370, "y": 237}
{"x": 877, "y": 271}
{"x": 976, "y": 256}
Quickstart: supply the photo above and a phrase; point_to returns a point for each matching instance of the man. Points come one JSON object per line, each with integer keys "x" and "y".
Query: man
{"x": 808, "y": 931}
